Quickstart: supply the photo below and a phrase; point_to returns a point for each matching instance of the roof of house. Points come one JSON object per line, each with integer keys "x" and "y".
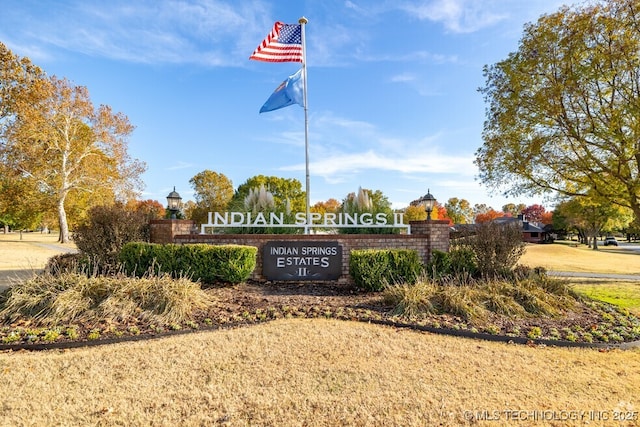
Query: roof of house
{"x": 526, "y": 226}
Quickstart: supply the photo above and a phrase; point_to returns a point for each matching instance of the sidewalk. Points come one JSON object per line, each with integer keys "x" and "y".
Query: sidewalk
{"x": 594, "y": 275}
{"x": 23, "y": 255}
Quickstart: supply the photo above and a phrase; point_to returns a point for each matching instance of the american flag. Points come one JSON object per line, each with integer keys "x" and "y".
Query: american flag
{"x": 282, "y": 44}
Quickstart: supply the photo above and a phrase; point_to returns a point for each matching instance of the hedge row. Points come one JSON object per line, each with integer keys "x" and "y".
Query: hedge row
{"x": 373, "y": 269}
{"x": 207, "y": 263}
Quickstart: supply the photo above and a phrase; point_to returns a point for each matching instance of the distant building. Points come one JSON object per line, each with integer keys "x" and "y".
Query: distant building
{"x": 531, "y": 232}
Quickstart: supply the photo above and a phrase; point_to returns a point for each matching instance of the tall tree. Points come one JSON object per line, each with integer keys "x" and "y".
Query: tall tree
{"x": 328, "y": 206}
{"x": 480, "y": 208}
{"x": 151, "y": 209}
{"x": 414, "y": 213}
{"x": 440, "y": 213}
{"x": 368, "y": 201}
{"x": 213, "y": 192}
{"x": 282, "y": 189}
{"x": 534, "y": 213}
{"x": 513, "y": 209}
{"x": 62, "y": 144}
{"x": 562, "y": 111}
{"x": 20, "y": 203}
{"x": 459, "y": 210}
{"x": 590, "y": 216}
{"x": 488, "y": 216}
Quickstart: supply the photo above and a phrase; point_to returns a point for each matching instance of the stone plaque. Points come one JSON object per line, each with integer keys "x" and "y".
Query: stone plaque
{"x": 301, "y": 260}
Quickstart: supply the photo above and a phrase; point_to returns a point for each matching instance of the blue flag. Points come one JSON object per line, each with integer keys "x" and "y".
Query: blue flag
{"x": 288, "y": 93}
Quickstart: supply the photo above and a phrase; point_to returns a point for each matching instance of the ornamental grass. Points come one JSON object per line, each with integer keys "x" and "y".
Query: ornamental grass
{"x": 476, "y": 300}
{"x": 71, "y": 297}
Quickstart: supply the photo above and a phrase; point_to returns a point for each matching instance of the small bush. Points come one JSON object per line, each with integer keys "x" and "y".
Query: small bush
{"x": 106, "y": 230}
{"x": 66, "y": 263}
{"x": 373, "y": 269}
{"x": 458, "y": 261}
{"x": 496, "y": 248}
{"x": 439, "y": 264}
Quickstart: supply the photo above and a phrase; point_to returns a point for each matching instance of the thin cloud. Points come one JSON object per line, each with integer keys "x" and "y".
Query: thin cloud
{"x": 458, "y": 16}
{"x": 168, "y": 31}
{"x": 180, "y": 165}
{"x": 403, "y": 78}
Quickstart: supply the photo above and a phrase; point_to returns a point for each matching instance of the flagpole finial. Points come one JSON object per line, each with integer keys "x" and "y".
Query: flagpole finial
{"x": 303, "y": 20}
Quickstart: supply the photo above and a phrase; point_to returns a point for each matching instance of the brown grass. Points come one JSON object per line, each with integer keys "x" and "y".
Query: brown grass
{"x": 561, "y": 257}
{"x": 28, "y": 250}
{"x": 312, "y": 373}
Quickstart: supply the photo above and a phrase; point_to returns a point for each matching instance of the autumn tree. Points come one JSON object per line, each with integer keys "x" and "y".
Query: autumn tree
{"x": 56, "y": 140}
{"x": 513, "y": 209}
{"x": 440, "y": 212}
{"x": 459, "y": 210}
{"x": 562, "y": 110}
{"x": 151, "y": 209}
{"x": 481, "y": 208}
{"x": 487, "y": 216}
{"x": 285, "y": 191}
{"x": 414, "y": 213}
{"x": 188, "y": 208}
{"x": 589, "y": 216}
{"x": 20, "y": 203}
{"x": 212, "y": 192}
{"x": 534, "y": 213}
{"x": 547, "y": 218}
{"x": 328, "y": 206}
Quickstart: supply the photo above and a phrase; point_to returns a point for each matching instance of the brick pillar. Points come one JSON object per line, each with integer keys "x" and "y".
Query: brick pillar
{"x": 165, "y": 230}
{"x": 437, "y": 232}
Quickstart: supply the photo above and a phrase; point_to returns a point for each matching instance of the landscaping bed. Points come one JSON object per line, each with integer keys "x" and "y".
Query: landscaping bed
{"x": 586, "y": 323}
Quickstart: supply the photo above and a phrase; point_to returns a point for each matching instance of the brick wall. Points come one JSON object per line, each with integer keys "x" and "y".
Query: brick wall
{"x": 425, "y": 237}
{"x": 164, "y": 230}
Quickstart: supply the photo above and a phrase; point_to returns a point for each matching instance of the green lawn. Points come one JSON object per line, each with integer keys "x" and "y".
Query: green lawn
{"x": 623, "y": 294}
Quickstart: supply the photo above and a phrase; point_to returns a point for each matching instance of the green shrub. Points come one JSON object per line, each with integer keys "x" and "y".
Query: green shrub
{"x": 440, "y": 264}
{"x": 458, "y": 261}
{"x": 373, "y": 269}
{"x": 463, "y": 262}
{"x": 207, "y": 263}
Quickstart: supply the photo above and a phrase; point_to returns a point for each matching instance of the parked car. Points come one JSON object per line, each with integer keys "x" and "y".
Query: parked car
{"x": 610, "y": 241}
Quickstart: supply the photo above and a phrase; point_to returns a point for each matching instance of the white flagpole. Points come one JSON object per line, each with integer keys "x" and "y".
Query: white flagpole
{"x": 303, "y": 21}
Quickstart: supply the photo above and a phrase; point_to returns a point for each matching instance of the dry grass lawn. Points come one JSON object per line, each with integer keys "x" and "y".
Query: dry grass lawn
{"x": 562, "y": 257}
{"x": 316, "y": 373}
{"x": 28, "y": 251}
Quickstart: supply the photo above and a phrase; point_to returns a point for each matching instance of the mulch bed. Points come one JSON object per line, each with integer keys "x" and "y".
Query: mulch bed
{"x": 251, "y": 303}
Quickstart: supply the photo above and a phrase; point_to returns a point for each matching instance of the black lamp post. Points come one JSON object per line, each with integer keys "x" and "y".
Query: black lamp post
{"x": 429, "y": 202}
{"x": 173, "y": 203}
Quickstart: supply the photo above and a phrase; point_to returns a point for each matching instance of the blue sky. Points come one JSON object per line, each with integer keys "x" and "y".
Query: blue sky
{"x": 392, "y": 86}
